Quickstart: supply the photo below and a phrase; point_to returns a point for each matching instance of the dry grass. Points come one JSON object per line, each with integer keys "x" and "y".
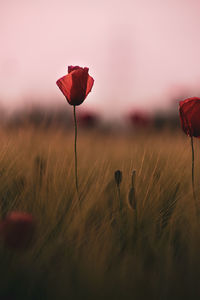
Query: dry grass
{"x": 96, "y": 251}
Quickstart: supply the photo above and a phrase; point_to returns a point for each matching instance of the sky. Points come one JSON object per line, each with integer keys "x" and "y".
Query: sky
{"x": 141, "y": 53}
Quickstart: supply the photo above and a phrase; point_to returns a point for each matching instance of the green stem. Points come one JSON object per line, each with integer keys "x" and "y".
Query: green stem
{"x": 75, "y": 150}
{"x": 194, "y": 195}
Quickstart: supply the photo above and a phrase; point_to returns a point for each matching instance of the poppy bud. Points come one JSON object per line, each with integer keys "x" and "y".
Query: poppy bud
{"x": 132, "y": 199}
{"x": 17, "y": 230}
{"x": 118, "y": 177}
{"x": 131, "y": 196}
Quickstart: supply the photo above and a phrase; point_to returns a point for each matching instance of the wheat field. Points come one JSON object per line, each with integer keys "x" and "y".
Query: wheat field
{"x": 98, "y": 246}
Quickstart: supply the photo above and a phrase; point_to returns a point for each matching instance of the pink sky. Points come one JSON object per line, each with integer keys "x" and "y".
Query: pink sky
{"x": 138, "y": 51}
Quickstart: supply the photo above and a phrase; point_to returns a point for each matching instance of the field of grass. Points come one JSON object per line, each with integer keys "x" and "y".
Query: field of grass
{"x": 94, "y": 249}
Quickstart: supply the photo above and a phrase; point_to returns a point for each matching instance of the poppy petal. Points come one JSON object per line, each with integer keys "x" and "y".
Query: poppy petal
{"x": 65, "y": 84}
{"x": 90, "y": 83}
{"x": 72, "y": 68}
{"x": 79, "y": 85}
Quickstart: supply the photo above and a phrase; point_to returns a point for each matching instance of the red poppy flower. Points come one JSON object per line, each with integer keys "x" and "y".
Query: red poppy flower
{"x": 189, "y": 110}
{"x": 76, "y": 85}
{"x": 17, "y": 230}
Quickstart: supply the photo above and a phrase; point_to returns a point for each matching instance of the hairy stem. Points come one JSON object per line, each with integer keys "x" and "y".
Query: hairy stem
{"x": 75, "y": 150}
{"x": 193, "y": 189}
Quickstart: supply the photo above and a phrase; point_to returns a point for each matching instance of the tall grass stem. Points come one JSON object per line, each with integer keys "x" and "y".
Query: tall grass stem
{"x": 119, "y": 197}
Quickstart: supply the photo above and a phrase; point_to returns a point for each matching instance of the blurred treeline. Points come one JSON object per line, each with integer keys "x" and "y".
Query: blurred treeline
{"x": 62, "y": 118}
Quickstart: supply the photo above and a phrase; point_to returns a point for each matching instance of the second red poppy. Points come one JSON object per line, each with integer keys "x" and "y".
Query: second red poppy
{"x": 189, "y": 110}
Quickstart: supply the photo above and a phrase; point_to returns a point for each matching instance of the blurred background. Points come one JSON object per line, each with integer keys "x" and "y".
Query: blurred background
{"x": 143, "y": 55}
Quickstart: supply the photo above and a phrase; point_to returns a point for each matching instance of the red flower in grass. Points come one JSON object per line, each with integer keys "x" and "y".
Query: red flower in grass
{"x": 88, "y": 119}
{"x": 17, "y": 230}
{"x": 189, "y": 110}
{"x": 139, "y": 119}
{"x": 76, "y": 85}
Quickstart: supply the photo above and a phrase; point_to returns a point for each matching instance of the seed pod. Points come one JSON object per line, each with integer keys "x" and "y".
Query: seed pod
{"x": 132, "y": 199}
{"x": 118, "y": 177}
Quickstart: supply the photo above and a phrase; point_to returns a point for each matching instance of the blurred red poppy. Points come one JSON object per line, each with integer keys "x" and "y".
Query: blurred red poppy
{"x": 139, "y": 119}
{"x": 189, "y": 111}
{"x": 17, "y": 230}
{"x": 76, "y": 85}
{"x": 88, "y": 119}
